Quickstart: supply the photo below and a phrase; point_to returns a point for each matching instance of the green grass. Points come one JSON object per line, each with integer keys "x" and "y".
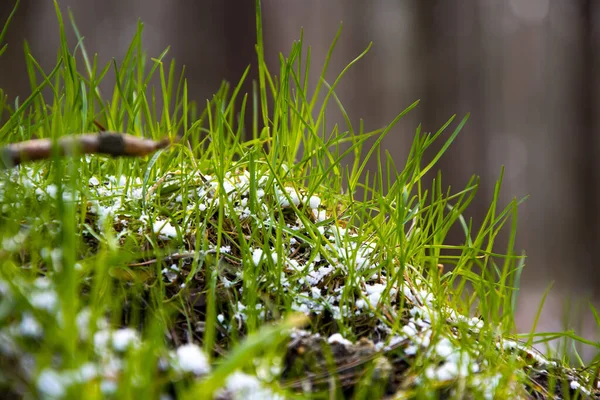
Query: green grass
{"x": 295, "y": 270}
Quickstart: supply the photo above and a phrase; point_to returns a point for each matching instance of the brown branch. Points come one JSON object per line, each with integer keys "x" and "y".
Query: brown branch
{"x": 107, "y": 143}
{"x": 167, "y": 259}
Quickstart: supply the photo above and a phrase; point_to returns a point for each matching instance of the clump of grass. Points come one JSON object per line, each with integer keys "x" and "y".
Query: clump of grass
{"x": 241, "y": 263}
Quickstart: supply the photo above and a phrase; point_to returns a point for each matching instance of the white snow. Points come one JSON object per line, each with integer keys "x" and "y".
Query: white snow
{"x": 191, "y": 358}
{"x": 457, "y": 365}
{"x": 314, "y": 277}
{"x": 164, "y": 229}
{"x": 314, "y": 202}
{"x": 444, "y": 348}
{"x": 320, "y": 215}
{"x": 511, "y": 344}
{"x": 108, "y": 387}
{"x": 51, "y": 384}
{"x": 30, "y": 327}
{"x": 283, "y": 199}
{"x": 120, "y": 339}
{"x": 338, "y": 338}
{"x": 241, "y": 386}
{"x": 374, "y": 293}
{"x": 15, "y": 242}
{"x": 44, "y": 300}
{"x": 257, "y": 256}
{"x": 123, "y": 338}
{"x": 575, "y": 385}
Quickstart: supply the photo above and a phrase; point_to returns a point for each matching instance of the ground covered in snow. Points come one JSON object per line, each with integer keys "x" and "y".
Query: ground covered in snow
{"x": 227, "y": 255}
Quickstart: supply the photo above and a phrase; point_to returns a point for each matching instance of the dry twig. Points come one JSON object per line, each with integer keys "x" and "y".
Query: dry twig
{"x": 109, "y": 143}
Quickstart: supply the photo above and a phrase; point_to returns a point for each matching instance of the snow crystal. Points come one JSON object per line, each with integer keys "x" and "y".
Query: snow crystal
{"x": 55, "y": 255}
{"x": 51, "y": 384}
{"x": 257, "y": 256}
{"x": 394, "y": 341}
{"x": 577, "y": 386}
{"x": 338, "y": 338}
{"x": 86, "y": 372}
{"x": 229, "y": 187}
{"x": 51, "y": 190}
{"x": 475, "y": 324}
{"x": 243, "y": 386}
{"x": 13, "y": 243}
{"x": 361, "y": 304}
{"x": 295, "y": 265}
{"x": 108, "y": 387}
{"x": 121, "y": 339}
{"x": 374, "y": 292}
{"x": 411, "y": 350}
{"x": 444, "y": 348}
{"x": 320, "y": 215}
{"x": 83, "y": 323}
{"x": 457, "y": 364}
{"x": 170, "y": 274}
{"x": 191, "y": 358}
{"x": 314, "y": 202}
{"x": 164, "y": 229}
{"x": 303, "y": 308}
{"x": 315, "y": 292}
{"x": 410, "y": 329}
{"x": 44, "y": 300}
{"x": 511, "y": 344}
{"x": 30, "y": 327}
{"x": 240, "y": 314}
{"x": 42, "y": 283}
{"x": 314, "y": 277}
{"x": 487, "y": 384}
{"x": 283, "y": 199}
{"x": 104, "y": 212}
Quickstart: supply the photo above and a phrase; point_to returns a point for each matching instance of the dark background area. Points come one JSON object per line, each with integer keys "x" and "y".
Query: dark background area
{"x": 526, "y": 70}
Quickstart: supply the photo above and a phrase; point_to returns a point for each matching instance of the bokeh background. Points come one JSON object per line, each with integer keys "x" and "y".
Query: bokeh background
{"x": 526, "y": 70}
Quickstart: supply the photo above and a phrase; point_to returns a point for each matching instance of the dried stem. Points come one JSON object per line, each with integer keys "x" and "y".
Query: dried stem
{"x": 109, "y": 143}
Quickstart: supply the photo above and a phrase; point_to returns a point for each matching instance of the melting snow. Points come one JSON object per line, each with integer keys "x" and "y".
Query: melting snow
{"x": 241, "y": 386}
{"x": 338, "y": 338}
{"x": 191, "y": 358}
{"x": 120, "y": 339}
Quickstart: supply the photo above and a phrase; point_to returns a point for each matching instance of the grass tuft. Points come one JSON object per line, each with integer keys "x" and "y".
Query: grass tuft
{"x": 240, "y": 263}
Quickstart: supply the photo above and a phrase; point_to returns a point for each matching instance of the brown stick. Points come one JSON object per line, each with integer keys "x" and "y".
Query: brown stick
{"x": 109, "y": 143}
{"x": 169, "y": 258}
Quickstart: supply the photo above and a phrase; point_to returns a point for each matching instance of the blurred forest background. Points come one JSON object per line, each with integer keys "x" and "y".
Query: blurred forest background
{"x": 526, "y": 70}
